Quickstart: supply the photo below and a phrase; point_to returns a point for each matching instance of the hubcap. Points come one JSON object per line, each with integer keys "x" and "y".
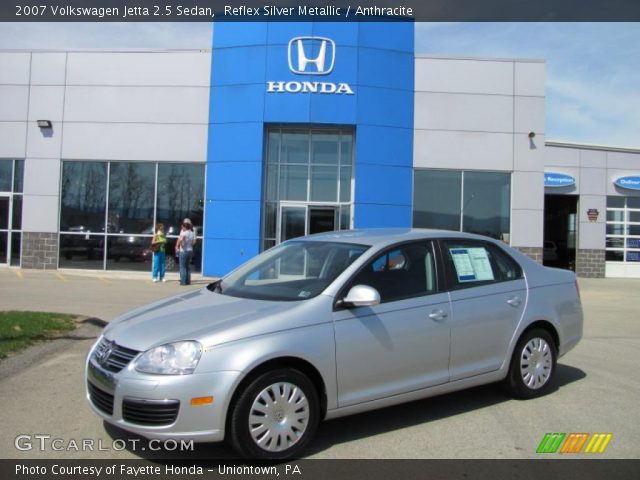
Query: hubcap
{"x": 279, "y": 417}
{"x": 536, "y": 362}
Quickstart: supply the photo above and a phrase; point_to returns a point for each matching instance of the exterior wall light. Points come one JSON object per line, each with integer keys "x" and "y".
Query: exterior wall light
{"x": 44, "y": 123}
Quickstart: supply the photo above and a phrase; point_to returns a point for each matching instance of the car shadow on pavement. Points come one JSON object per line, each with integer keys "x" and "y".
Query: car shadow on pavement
{"x": 346, "y": 429}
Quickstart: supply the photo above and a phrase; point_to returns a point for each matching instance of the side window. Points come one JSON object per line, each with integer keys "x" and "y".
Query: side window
{"x": 402, "y": 272}
{"x": 474, "y": 263}
{"x": 506, "y": 267}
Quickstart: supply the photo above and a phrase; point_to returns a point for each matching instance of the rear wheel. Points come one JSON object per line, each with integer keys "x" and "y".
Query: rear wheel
{"x": 533, "y": 365}
{"x": 275, "y": 416}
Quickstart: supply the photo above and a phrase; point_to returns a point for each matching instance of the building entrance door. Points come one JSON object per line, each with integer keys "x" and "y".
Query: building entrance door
{"x": 560, "y": 228}
{"x": 296, "y": 220}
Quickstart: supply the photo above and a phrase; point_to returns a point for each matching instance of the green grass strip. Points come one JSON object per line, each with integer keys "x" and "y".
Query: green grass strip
{"x": 21, "y": 329}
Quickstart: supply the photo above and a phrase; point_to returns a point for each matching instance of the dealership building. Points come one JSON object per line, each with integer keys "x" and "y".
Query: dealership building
{"x": 286, "y": 129}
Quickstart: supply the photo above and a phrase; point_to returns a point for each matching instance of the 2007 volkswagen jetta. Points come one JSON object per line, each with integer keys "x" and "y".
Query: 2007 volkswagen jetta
{"x": 329, "y": 325}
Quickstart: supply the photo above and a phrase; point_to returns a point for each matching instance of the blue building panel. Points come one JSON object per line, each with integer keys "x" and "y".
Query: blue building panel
{"x": 334, "y": 109}
{"x": 234, "y": 181}
{"x": 237, "y": 103}
{"x": 369, "y": 215}
{"x": 385, "y": 107}
{"x": 232, "y": 219}
{"x": 384, "y": 145}
{"x": 386, "y": 69}
{"x": 287, "y": 108}
{"x": 222, "y": 255}
{"x": 383, "y": 184}
{"x": 237, "y": 66}
{"x": 236, "y": 142}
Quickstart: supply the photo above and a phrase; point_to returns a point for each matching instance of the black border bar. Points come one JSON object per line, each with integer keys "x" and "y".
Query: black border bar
{"x": 565, "y": 469}
{"x": 318, "y": 10}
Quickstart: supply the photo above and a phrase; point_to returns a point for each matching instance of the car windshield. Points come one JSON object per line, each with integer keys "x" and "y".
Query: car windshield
{"x": 296, "y": 270}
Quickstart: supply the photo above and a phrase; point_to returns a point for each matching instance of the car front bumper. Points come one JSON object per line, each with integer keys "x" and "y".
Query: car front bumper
{"x": 160, "y": 406}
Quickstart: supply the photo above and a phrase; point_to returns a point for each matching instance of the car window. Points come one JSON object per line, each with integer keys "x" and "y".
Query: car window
{"x": 403, "y": 272}
{"x": 474, "y": 263}
{"x": 295, "y": 270}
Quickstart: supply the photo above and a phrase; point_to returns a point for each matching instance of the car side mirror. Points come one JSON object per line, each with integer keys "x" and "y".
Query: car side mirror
{"x": 361, "y": 296}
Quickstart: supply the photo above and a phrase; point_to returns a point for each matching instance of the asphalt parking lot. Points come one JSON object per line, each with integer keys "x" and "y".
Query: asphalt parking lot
{"x": 42, "y": 390}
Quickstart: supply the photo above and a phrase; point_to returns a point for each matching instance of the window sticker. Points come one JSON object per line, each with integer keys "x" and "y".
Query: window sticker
{"x": 471, "y": 264}
{"x": 481, "y": 265}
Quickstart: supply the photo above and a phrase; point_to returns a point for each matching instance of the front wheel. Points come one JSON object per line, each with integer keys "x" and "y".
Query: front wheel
{"x": 533, "y": 365}
{"x": 275, "y": 416}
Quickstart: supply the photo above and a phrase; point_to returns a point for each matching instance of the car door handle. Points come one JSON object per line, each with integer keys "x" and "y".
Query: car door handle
{"x": 438, "y": 315}
{"x": 514, "y": 301}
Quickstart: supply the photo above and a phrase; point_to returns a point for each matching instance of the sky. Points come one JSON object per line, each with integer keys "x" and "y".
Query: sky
{"x": 593, "y": 69}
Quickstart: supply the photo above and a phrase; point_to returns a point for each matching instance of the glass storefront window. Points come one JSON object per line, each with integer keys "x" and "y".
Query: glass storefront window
{"x": 4, "y": 245}
{"x": 4, "y": 212}
{"x": 294, "y": 148}
{"x": 6, "y": 175}
{"x": 18, "y": 176}
{"x": 436, "y": 199}
{"x": 305, "y": 168}
{"x": 469, "y": 201}
{"x": 486, "y": 203}
{"x": 83, "y": 196}
{"x": 325, "y": 149}
{"x": 140, "y": 194}
{"x": 623, "y": 229}
{"x": 345, "y": 183}
{"x": 82, "y": 251}
{"x": 128, "y": 252}
{"x": 180, "y": 195}
{"x": 324, "y": 184}
{"x": 17, "y": 213}
{"x": 11, "y": 181}
{"x": 131, "y": 192}
{"x": 16, "y": 249}
{"x": 293, "y": 182}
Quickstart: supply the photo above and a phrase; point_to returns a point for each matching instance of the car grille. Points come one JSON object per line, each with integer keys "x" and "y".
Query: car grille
{"x": 150, "y": 412}
{"x": 102, "y": 400}
{"x": 113, "y": 357}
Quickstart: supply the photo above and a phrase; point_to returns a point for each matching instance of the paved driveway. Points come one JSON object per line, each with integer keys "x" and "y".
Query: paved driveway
{"x": 599, "y": 386}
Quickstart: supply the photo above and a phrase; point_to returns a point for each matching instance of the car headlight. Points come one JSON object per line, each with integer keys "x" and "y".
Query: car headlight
{"x": 178, "y": 358}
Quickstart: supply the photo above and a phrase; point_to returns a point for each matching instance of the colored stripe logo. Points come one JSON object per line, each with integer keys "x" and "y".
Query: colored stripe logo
{"x": 574, "y": 443}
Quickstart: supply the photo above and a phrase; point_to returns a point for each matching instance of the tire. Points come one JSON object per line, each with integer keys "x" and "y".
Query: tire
{"x": 527, "y": 379}
{"x": 261, "y": 429}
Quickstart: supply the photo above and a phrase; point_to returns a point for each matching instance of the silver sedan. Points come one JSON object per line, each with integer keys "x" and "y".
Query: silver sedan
{"x": 330, "y": 325}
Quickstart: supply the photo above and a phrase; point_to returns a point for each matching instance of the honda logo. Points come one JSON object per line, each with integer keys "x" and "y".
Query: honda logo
{"x": 311, "y": 55}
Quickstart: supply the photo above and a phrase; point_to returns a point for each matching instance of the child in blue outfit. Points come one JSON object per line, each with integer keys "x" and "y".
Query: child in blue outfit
{"x": 158, "y": 243}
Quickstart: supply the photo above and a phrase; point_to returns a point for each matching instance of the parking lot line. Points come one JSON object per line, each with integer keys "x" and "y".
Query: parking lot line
{"x": 61, "y": 277}
{"x": 102, "y": 279}
{"x": 20, "y": 274}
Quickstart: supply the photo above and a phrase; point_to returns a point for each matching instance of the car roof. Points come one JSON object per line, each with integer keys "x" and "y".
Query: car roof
{"x": 387, "y": 236}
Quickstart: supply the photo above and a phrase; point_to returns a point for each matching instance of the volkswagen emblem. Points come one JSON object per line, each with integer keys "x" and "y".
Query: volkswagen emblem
{"x": 103, "y": 352}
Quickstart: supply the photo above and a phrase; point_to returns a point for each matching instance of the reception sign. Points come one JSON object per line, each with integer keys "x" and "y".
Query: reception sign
{"x": 553, "y": 179}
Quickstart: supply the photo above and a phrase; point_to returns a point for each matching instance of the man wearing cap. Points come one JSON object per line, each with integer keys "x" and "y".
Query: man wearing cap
{"x": 184, "y": 246}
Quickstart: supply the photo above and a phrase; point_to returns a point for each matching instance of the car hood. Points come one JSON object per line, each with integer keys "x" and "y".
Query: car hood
{"x": 211, "y": 318}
